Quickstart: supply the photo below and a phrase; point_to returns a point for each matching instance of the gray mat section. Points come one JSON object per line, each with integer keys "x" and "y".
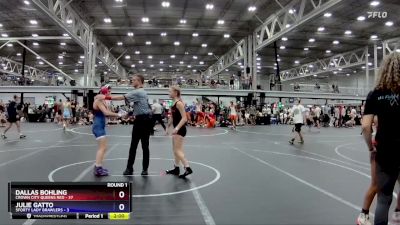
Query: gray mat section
{"x": 263, "y": 179}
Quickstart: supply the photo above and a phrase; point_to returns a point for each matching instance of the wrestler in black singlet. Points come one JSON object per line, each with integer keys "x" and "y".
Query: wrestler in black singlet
{"x": 176, "y": 119}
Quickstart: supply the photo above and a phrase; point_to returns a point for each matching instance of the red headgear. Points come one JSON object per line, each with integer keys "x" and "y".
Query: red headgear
{"x": 105, "y": 90}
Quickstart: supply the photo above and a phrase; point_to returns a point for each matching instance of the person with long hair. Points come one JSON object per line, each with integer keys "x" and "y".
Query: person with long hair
{"x": 363, "y": 218}
{"x": 178, "y": 121}
{"x": 101, "y": 111}
{"x": 384, "y": 103}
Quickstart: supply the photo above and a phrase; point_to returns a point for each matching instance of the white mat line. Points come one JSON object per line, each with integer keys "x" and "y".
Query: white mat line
{"x": 32, "y": 221}
{"x": 348, "y": 158}
{"x": 32, "y": 153}
{"x": 314, "y": 159}
{"x": 323, "y": 191}
{"x": 89, "y": 168}
{"x": 205, "y": 212}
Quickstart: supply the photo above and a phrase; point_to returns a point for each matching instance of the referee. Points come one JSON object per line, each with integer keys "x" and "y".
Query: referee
{"x": 142, "y": 125}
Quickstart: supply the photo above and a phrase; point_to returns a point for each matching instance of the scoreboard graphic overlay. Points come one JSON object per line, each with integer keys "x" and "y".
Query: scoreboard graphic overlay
{"x": 70, "y": 200}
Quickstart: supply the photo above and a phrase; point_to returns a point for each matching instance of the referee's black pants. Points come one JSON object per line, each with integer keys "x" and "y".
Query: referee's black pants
{"x": 158, "y": 118}
{"x": 142, "y": 127}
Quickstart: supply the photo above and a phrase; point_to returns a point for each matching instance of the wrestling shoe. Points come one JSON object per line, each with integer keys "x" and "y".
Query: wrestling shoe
{"x": 128, "y": 172}
{"x": 174, "y": 171}
{"x": 291, "y": 141}
{"x": 395, "y": 218}
{"x": 187, "y": 172}
{"x": 3, "y": 136}
{"x": 100, "y": 171}
{"x": 144, "y": 173}
{"x": 363, "y": 219}
{"x": 22, "y": 136}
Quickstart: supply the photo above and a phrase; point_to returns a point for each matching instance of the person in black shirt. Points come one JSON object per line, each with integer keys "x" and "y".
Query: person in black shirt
{"x": 384, "y": 103}
{"x": 232, "y": 82}
{"x": 25, "y": 111}
{"x": 13, "y": 118}
{"x": 178, "y": 120}
{"x": 73, "y": 109}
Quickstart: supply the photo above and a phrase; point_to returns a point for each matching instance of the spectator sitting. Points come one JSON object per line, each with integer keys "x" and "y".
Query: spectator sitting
{"x": 90, "y": 117}
{"x": 210, "y": 122}
{"x": 127, "y": 120}
{"x": 41, "y": 115}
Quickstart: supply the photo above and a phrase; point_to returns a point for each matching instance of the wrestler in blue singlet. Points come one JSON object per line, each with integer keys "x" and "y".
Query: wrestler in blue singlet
{"x": 99, "y": 124}
{"x": 100, "y": 111}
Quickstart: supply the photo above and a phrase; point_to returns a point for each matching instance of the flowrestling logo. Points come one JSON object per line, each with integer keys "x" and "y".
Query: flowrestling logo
{"x": 379, "y": 15}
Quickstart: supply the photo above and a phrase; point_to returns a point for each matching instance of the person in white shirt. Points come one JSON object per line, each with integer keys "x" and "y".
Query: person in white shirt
{"x": 336, "y": 116}
{"x": 281, "y": 121}
{"x": 269, "y": 110}
{"x": 352, "y": 121}
{"x": 317, "y": 119}
{"x": 298, "y": 120}
{"x": 342, "y": 115}
{"x": 285, "y": 118}
{"x": 247, "y": 117}
{"x": 233, "y": 114}
{"x": 157, "y": 114}
{"x": 353, "y": 113}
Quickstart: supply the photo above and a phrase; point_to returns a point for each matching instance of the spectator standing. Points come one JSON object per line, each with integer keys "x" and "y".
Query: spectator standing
{"x": 157, "y": 114}
{"x": 13, "y": 118}
{"x": 384, "y": 103}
